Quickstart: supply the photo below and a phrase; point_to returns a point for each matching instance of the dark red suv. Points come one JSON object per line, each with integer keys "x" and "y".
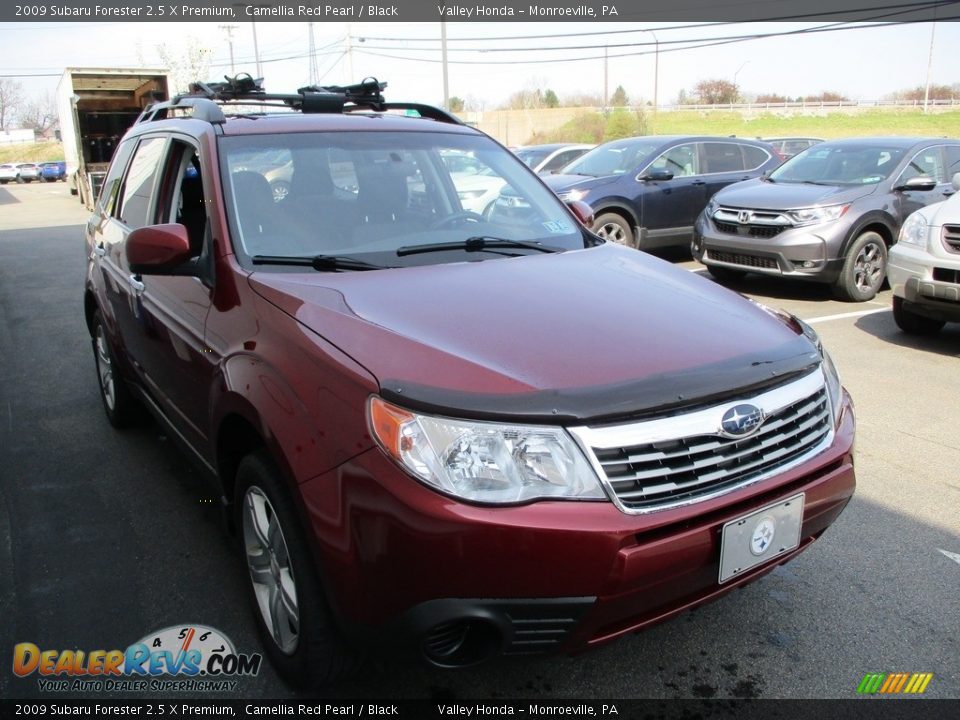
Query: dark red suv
{"x": 461, "y": 433}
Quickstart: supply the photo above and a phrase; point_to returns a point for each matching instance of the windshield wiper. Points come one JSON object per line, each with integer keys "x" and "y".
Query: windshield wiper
{"x": 321, "y": 263}
{"x": 476, "y": 243}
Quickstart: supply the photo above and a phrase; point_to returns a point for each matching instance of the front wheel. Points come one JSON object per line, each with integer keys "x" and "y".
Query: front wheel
{"x": 614, "y": 228}
{"x": 864, "y": 269}
{"x": 914, "y": 324}
{"x": 293, "y": 620}
{"x": 119, "y": 404}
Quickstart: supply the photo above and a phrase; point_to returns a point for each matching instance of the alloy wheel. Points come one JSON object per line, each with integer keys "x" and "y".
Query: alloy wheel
{"x": 869, "y": 267}
{"x": 105, "y": 369}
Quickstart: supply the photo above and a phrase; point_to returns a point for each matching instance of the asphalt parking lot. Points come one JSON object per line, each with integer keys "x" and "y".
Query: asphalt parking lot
{"x": 105, "y": 537}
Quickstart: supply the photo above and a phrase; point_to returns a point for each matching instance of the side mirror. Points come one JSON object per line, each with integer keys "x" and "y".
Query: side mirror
{"x": 956, "y": 181}
{"x": 921, "y": 182}
{"x": 658, "y": 176}
{"x": 158, "y": 249}
{"x": 583, "y": 212}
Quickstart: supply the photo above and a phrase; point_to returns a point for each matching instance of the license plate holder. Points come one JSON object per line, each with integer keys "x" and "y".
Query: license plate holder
{"x": 760, "y": 537}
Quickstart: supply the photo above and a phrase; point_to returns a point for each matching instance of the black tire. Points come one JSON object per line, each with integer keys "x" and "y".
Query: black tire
{"x": 119, "y": 404}
{"x": 4, "y": 182}
{"x": 725, "y": 274}
{"x": 316, "y": 654}
{"x": 614, "y": 228}
{"x": 864, "y": 269}
{"x": 74, "y": 191}
{"x": 914, "y": 324}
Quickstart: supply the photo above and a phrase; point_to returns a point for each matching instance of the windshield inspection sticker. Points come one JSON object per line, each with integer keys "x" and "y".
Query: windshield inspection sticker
{"x": 558, "y": 227}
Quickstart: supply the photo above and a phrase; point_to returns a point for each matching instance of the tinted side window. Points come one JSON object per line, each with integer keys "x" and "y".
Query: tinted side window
{"x": 754, "y": 157}
{"x": 562, "y": 159}
{"x": 952, "y": 156}
{"x": 722, "y": 157}
{"x": 927, "y": 162}
{"x": 680, "y": 160}
{"x": 111, "y": 186}
{"x": 140, "y": 181}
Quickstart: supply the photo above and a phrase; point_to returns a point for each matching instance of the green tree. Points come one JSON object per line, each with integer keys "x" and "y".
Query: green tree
{"x": 550, "y": 99}
{"x": 457, "y": 104}
{"x": 619, "y": 97}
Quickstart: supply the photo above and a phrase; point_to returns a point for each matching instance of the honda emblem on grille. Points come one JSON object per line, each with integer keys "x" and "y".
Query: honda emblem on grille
{"x": 744, "y": 216}
{"x": 741, "y": 420}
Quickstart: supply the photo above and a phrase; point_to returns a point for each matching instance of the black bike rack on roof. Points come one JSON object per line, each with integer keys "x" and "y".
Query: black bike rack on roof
{"x": 206, "y": 100}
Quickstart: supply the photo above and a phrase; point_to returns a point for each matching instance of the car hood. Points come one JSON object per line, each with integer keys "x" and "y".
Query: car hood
{"x": 757, "y": 194}
{"x": 561, "y": 183}
{"x": 590, "y": 334}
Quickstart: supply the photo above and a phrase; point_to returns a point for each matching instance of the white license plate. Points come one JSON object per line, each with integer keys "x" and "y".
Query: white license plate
{"x": 759, "y": 537}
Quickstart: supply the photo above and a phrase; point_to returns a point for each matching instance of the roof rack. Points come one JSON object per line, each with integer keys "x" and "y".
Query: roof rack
{"x": 207, "y": 99}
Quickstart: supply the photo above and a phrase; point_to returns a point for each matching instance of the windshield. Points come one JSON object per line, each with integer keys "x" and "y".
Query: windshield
{"x": 367, "y": 195}
{"x": 614, "y": 158}
{"x": 840, "y": 164}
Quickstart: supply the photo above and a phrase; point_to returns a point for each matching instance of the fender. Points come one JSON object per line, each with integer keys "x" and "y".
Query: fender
{"x": 874, "y": 217}
{"x": 308, "y": 430}
{"x": 617, "y": 203}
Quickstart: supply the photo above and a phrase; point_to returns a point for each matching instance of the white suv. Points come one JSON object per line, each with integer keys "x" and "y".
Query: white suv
{"x": 924, "y": 268}
{"x": 8, "y": 173}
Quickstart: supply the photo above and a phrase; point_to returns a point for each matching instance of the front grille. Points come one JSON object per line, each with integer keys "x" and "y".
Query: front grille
{"x": 757, "y": 261}
{"x": 951, "y": 238}
{"x": 946, "y": 275}
{"x": 667, "y": 472}
{"x": 758, "y": 231}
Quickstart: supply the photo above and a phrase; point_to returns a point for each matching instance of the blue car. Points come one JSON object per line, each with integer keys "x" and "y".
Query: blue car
{"x": 53, "y": 171}
{"x": 647, "y": 192}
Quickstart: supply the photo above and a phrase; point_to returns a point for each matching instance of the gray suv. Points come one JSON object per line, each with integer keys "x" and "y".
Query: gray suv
{"x": 828, "y": 215}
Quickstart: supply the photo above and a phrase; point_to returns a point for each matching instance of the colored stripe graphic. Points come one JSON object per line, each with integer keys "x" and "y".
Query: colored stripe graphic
{"x": 894, "y": 683}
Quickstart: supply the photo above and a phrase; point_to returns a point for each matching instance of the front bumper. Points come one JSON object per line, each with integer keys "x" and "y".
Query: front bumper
{"x": 402, "y": 562}
{"x": 929, "y": 282}
{"x": 806, "y": 253}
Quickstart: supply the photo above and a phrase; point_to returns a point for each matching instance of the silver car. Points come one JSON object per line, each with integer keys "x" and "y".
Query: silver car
{"x": 828, "y": 215}
{"x": 29, "y": 172}
{"x": 924, "y": 269}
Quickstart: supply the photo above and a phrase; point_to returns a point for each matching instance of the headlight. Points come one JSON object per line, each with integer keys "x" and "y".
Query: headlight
{"x": 711, "y": 206}
{"x": 915, "y": 230}
{"x": 484, "y": 462}
{"x": 830, "y": 374}
{"x": 572, "y": 195}
{"x": 814, "y": 215}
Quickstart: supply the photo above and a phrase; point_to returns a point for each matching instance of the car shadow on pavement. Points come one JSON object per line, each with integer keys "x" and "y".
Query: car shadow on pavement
{"x": 775, "y": 287}
{"x": 6, "y": 198}
{"x": 881, "y": 325}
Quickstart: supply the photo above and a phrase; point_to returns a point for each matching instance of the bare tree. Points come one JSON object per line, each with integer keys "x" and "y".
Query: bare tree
{"x": 716, "y": 92}
{"x": 187, "y": 67}
{"x": 38, "y": 113}
{"x": 11, "y": 95}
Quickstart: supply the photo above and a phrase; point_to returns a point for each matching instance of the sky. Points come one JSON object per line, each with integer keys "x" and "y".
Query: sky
{"x": 862, "y": 63}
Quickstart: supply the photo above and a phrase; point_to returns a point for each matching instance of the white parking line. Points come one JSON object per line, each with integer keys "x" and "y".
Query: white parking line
{"x": 842, "y": 316}
{"x": 953, "y": 556}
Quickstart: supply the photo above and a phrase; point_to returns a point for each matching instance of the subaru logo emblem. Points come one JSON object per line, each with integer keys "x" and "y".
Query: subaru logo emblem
{"x": 744, "y": 217}
{"x": 762, "y": 537}
{"x": 741, "y": 420}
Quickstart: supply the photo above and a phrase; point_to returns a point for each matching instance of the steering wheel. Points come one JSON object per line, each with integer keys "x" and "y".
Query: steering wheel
{"x": 456, "y": 217}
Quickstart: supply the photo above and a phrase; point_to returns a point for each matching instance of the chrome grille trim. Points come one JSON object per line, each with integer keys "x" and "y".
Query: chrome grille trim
{"x": 668, "y": 462}
{"x": 951, "y": 238}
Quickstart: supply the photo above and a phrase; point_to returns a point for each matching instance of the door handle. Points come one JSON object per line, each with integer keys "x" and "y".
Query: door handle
{"x": 948, "y": 193}
{"x": 99, "y": 250}
{"x": 699, "y": 182}
{"x": 136, "y": 284}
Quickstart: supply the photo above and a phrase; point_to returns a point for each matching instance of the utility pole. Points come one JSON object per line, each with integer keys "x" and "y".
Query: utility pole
{"x": 349, "y": 55}
{"x": 256, "y": 50}
{"x": 656, "y": 70}
{"x": 443, "y": 53}
{"x": 926, "y": 92}
{"x": 228, "y": 29}
{"x": 314, "y": 71}
{"x": 606, "y": 93}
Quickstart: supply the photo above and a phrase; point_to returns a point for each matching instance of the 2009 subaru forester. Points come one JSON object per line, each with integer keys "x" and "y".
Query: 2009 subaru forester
{"x": 465, "y": 434}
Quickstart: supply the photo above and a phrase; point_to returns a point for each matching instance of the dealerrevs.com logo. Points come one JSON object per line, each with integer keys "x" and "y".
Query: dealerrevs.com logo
{"x": 190, "y": 658}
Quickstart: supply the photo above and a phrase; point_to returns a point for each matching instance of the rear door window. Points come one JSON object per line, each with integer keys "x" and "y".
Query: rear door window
{"x": 722, "y": 157}
{"x": 754, "y": 157}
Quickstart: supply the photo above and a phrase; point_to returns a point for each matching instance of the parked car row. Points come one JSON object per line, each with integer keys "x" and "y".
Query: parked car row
{"x": 28, "y": 172}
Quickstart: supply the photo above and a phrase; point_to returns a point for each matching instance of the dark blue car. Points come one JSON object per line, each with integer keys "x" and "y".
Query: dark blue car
{"x": 53, "y": 171}
{"x": 647, "y": 192}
